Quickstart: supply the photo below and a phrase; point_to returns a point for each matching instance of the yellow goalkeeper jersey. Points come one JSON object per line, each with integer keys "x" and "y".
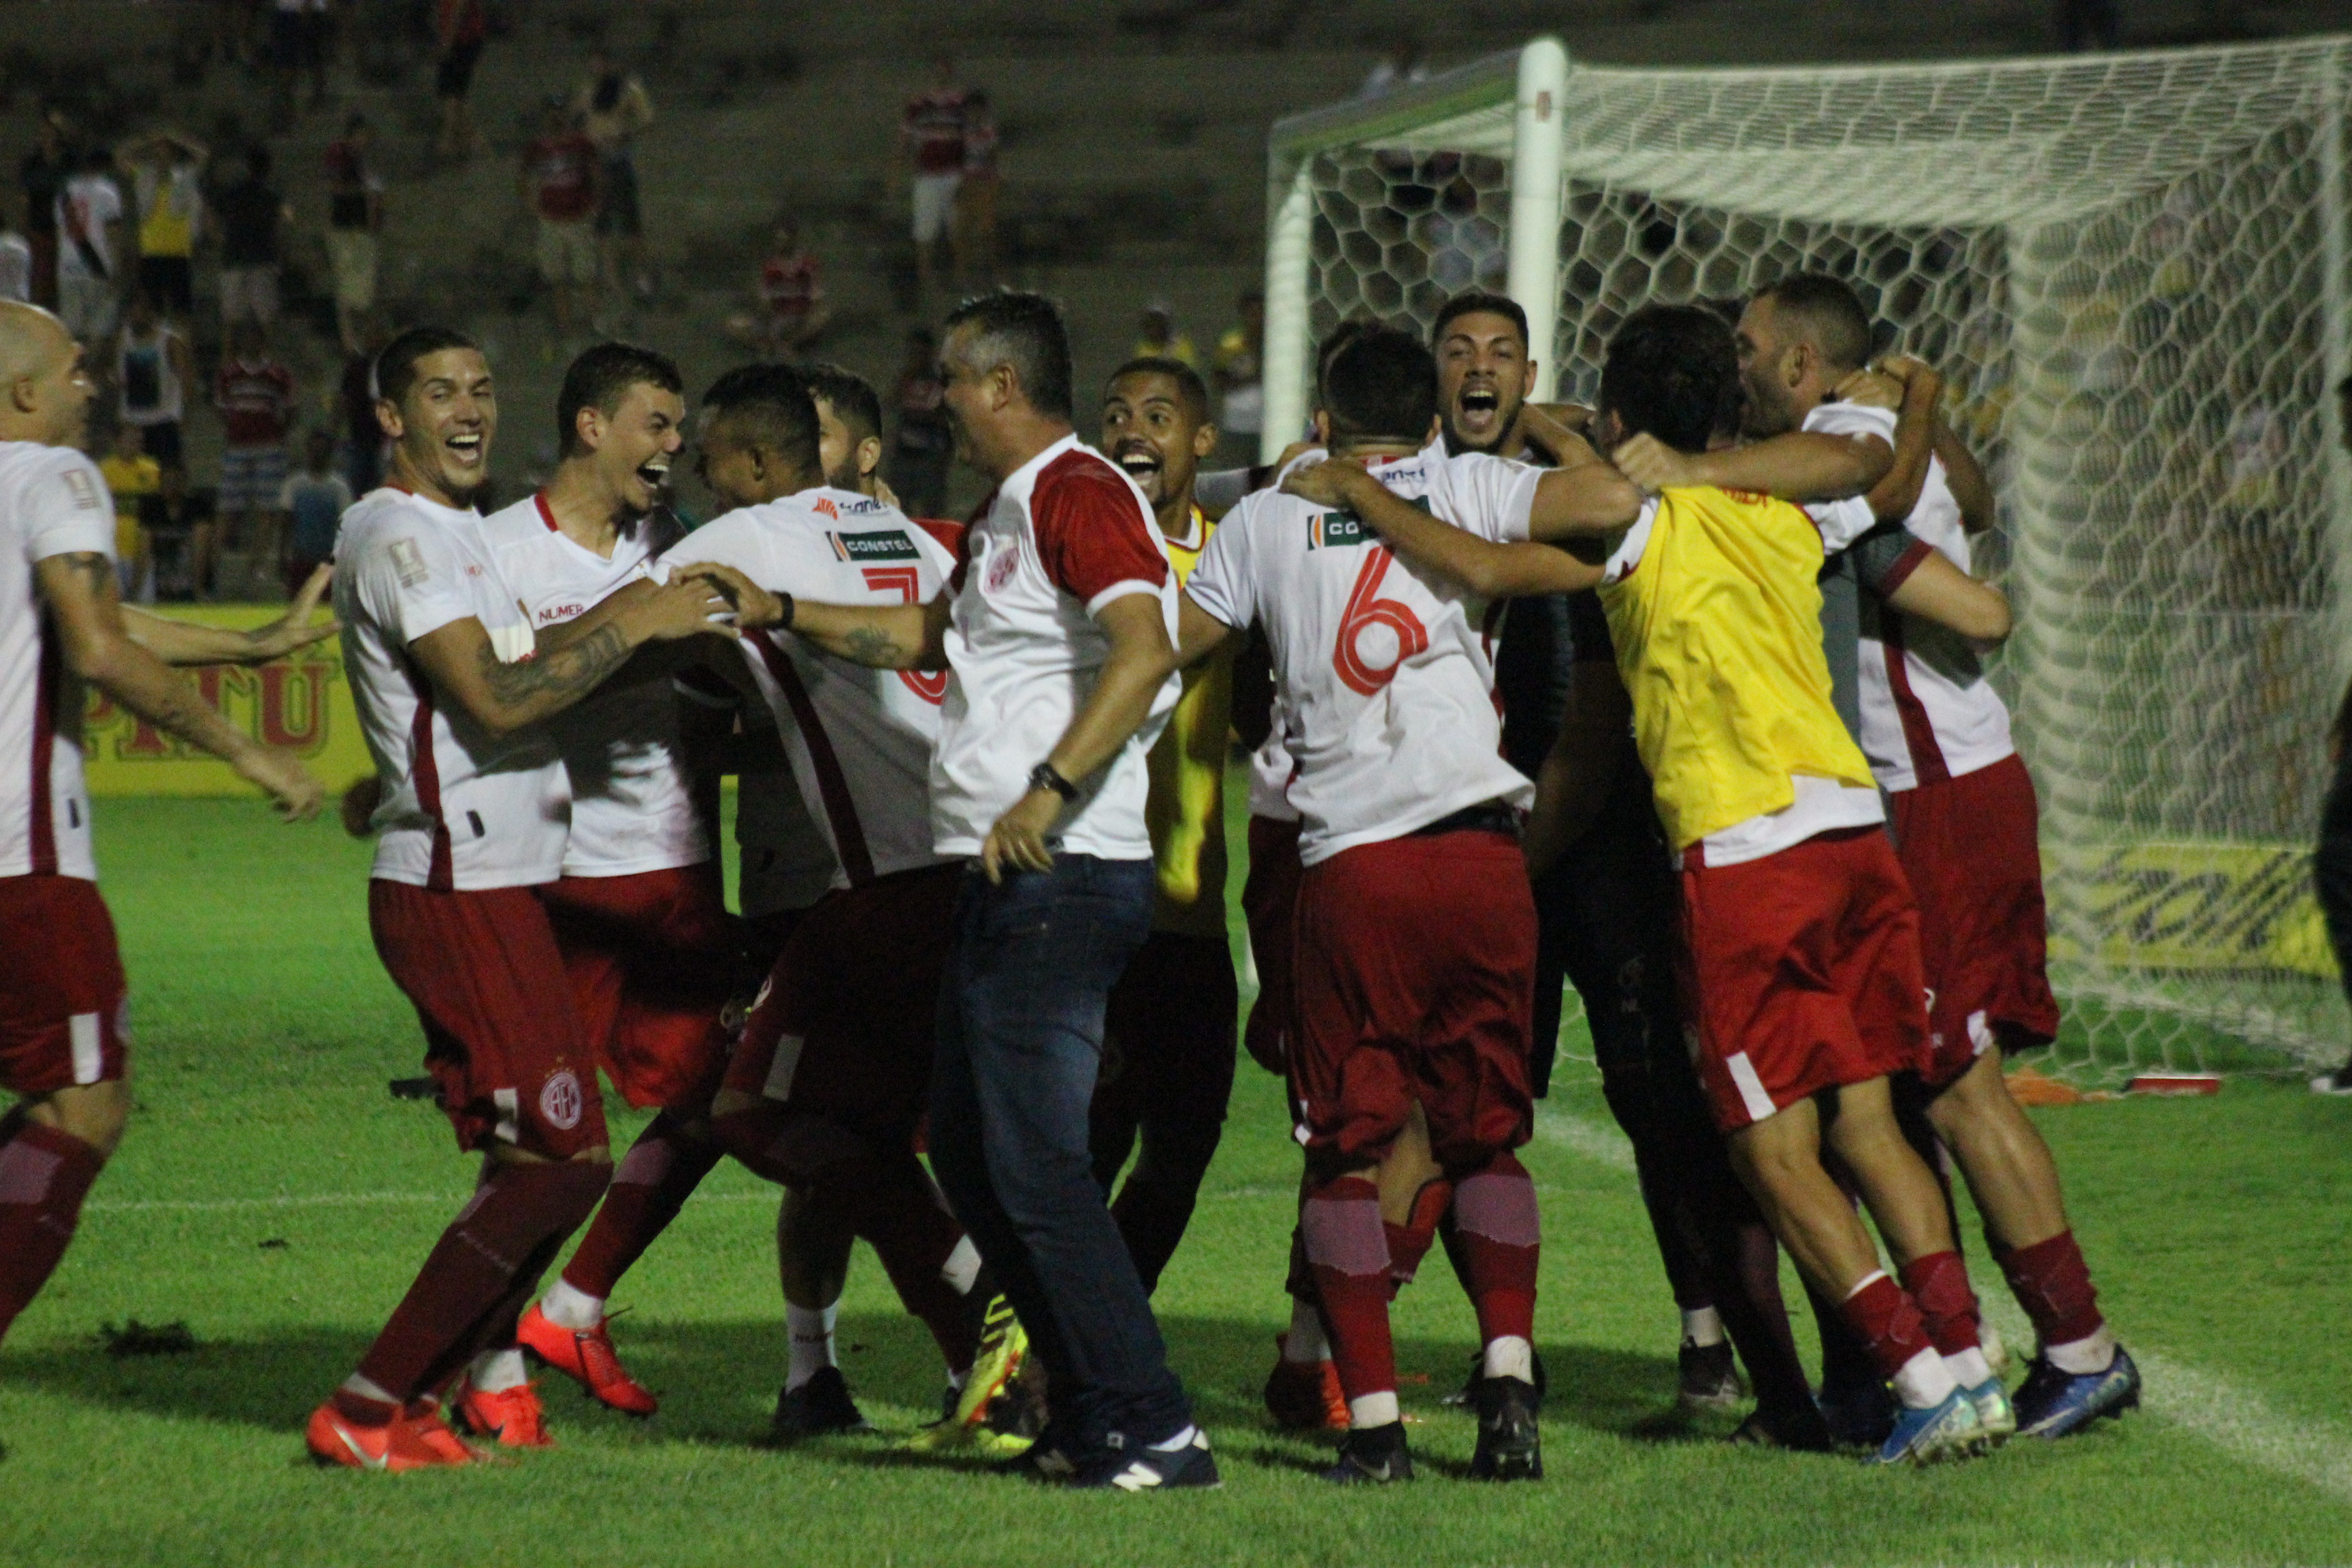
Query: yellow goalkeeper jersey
{"x": 1715, "y": 606}
{"x": 1186, "y": 810}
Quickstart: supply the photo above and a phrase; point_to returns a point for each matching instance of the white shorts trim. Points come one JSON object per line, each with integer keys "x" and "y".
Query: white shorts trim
{"x": 89, "y": 1046}
{"x": 1751, "y": 1088}
{"x": 779, "y": 1086}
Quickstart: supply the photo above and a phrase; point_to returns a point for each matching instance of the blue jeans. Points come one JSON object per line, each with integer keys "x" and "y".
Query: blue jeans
{"x": 1019, "y": 1047}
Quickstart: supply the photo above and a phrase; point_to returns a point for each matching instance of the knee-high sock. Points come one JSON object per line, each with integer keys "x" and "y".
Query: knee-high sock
{"x": 650, "y": 1186}
{"x": 2051, "y": 1282}
{"x": 892, "y": 1204}
{"x": 1940, "y": 1283}
{"x": 1495, "y": 1211}
{"x": 1409, "y": 1243}
{"x": 1348, "y": 1254}
{"x": 45, "y": 1173}
{"x": 1888, "y": 1320}
{"x": 466, "y": 1278}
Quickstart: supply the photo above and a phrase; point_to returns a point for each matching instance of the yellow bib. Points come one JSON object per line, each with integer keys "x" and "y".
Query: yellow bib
{"x": 1186, "y": 808}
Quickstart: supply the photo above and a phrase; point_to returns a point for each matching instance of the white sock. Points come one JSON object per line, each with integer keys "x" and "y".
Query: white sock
{"x": 2079, "y": 1358}
{"x": 1970, "y": 1369}
{"x": 1372, "y": 1410}
{"x": 365, "y": 1389}
{"x": 962, "y": 1268}
{"x": 811, "y": 1331}
{"x": 1181, "y": 1440}
{"x": 568, "y": 1307}
{"x": 1925, "y": 1381}
{"x": 1702, "y": 1326}
{"x": 1507, "y": 1355}
{"x": 1305, "y": 1342}
{"x": 495, "y": 1372}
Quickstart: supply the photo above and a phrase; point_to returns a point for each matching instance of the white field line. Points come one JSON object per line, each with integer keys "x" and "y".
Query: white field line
{"x": 339, "y": 1200}
{"x": 2234, "y": 1419}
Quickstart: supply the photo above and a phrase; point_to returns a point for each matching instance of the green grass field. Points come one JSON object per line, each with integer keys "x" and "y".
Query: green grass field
{"x": 275, "y": 1198}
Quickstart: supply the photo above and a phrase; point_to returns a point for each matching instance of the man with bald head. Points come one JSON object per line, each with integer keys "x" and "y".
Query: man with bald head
{"x": 62, "y": 994}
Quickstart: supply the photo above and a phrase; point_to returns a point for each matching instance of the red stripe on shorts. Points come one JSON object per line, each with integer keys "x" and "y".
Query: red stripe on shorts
{"x": 840, "y": 810}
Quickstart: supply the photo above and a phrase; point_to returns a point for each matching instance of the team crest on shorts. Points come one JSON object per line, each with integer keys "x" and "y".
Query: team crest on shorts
{"x": 560, "y": 1101}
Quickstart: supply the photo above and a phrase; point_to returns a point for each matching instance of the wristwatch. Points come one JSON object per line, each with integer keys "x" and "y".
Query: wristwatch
{"x": 1045, "y": 775}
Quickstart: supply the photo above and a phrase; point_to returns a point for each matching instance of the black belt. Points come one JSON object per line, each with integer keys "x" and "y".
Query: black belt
{"x": 1488, "y": 817}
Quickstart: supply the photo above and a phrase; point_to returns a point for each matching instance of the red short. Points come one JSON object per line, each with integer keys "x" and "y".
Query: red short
{"x": 1269, "y": 904}
{"x": 845, "y": 1027}
{"x": 654, "y": 959}
{"x": 62, "y": 995}
{"x": 1801, "y": 972}
{"x": 1414, "y": 973}
{"x": 1168, "y": 1033}
{"x": 486, "y": 979}
{"x": 1971, "y": 848}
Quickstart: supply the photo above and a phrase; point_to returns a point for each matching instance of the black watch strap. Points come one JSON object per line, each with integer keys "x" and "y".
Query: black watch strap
{"x": 1045, "y": 775}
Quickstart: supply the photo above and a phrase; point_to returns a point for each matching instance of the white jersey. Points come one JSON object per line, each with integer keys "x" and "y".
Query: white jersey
{"x": 1270, "y": 769}
{"x": 1388, "y": 706}
{"x": 461, "y": 809}
{"x": 859, "y": 738}
{"x": 52, "y": 502}
{"x": 1067, "y": 533}
{"x": 632, "y": 809}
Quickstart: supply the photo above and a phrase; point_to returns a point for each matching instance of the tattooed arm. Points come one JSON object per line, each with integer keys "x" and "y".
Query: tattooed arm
{"x": 80, "y": 590}
{"x": 885, "y": 636}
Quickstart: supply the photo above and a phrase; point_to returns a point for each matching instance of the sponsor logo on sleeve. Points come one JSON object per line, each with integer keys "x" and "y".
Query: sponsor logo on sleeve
{"x": 409, "y": 561}
{"x": 85, "y": 493}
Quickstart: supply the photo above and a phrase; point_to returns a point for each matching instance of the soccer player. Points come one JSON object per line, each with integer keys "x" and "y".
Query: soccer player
{"x": 850, "y": 425}
{"x": 1414, "y": 932}
{"x": 1169, "y": 1034}
{"x": 1057, "y": 644}
{"x": 63, "y": 1041}
{"x": 638, "y": 914}
{"x": 1937, "y": 737}
{"x": 826, "y": 1089}
{"x": 452, "y": 686}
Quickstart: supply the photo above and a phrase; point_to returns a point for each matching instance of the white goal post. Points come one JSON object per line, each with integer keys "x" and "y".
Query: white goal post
{"x": 2134, "y": 271}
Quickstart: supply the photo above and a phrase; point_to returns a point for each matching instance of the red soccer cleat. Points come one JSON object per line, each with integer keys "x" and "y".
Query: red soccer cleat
{"x": 1304, "y": 1397}
{"x": 511, "y": 1416}
{"x": 408, "y": 1442}
{"x": 586, "y": 1356}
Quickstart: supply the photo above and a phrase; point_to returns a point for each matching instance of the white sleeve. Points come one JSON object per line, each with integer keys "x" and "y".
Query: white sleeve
{"x": 1852, "y": 419}
{"x": 1222, "y": 584}
{"x": 1630, "y": 549}
{"x": 66, "y": 509}
{"x": 411, "y": 582}
{"x": 1490, "y": 497}
{"x": 1842, "y": 522}
{"x": 734, "y": 539}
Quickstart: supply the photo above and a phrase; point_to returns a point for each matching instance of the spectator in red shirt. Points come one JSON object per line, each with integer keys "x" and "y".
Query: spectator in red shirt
{"x": 559, "y": 185}
{"x": 255, "y": 396}
{"x": 459, "y": 28}
{"x": 790, "y": 310}
{"x": 932, "y": 131}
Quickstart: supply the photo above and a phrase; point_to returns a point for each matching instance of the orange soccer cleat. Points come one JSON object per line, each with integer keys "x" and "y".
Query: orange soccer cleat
{"x": 586, "y": 1356}
{"x": 416, "y": 1439}
{"x": 510, "y": 1416}
{"x": 1305, "y": 1396}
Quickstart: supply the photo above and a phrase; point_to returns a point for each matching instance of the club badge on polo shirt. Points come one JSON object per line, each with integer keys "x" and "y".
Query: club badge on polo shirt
{"x": 561, "y": 1101}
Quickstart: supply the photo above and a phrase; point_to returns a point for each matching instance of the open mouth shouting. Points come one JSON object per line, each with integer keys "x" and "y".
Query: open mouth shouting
{"x": 464, "y": 449}
{"x": 1478, "y": 412}
{"x": 1143, "y": 464}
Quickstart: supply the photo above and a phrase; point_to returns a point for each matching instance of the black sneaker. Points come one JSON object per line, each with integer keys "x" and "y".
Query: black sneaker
{"x": 1043, "y": 1461}
{"x": 1860, "y": 1417}
{"x": 1466, "y": 1396}
{"x": 1798, "y": 1432}
{"x": 1510, "y": 1447}
{"x": 1144, "y": 1469}
{"x": 821, "y": 1407}
{"x": 1709, "y": 1380}
{"x": 1372, "y": 1455}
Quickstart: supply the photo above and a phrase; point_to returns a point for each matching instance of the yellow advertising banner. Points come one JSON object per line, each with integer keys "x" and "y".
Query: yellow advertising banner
{"x": 300, "y": 702}
{"x": 2190, "y": 907}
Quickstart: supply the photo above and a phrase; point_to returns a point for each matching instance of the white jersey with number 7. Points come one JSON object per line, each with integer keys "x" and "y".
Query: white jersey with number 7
{"x": 1388, "y": 704}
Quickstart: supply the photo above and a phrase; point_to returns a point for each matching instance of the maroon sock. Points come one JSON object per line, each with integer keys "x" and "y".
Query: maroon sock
{"x": 1410, "y": 1243}
{"x": 1887, "y": 1322}
{"x": 1347, "y": 1254}
{"x": 45, "y": 1173}
{"x": 467, "y": 1276}
{"x": 1940, "y": 1283}
{"x": 1494, "y": 1213}
{"x": 2054, "y": 1285}
{"x": 894, "y": 1207}
{"x": 651, "y": 1183}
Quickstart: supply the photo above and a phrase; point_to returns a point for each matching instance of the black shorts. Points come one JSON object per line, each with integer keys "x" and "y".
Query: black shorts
{"x": 168, "y": 283}
{"x": 454, "y": 78}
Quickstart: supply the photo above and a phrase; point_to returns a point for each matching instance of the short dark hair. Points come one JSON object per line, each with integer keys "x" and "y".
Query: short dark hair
{"x": 1014, "y": 327}
{"x": 1831, "y": 312}
{"x": 1383, "y": 384}
{"x": 600, "y": 378}
{"x": 396, "y": 367}
{"x": 851, "y": 394}
{"x": 1337, "y": 339}
{"x": 773, "y": 401}
{"x": 1478, "y": 302}
{"x": 1673, "y": 371}
{"x": 1188, "y": 385}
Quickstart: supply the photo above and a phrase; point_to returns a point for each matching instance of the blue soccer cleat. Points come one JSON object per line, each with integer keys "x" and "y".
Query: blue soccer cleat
{"x": 1996, "y": 1416}
{"x": 2053, "y": 1402}
{"x": 1945, "y": 1431}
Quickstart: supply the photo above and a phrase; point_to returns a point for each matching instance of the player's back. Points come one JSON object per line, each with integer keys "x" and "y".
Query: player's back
{"x": 1386, "y": 700}
{"x": 53, "y": 502}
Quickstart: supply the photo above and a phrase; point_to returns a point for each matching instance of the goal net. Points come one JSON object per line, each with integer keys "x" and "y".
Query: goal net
{"x": 2132, "y": 270}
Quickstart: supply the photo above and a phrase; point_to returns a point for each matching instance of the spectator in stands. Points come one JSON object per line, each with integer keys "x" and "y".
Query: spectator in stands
{"x": 255, "y": 395}
{"x": 152, "y": 369}
{"x": 791, "y": 313}
{"x": 559, "y": 186}
{"x": 42, "y": 179}
{"x": 460, "y": 27}
{"x": 131, "y": 476}
{"x": 613, "y": 109}
{"x": 313, "y": 501}
{"x": 15, "y": 255}
{"x": 1157, "y": 336}
{"x": 92, "y": 250}
{"x": 931, "y": 133}
{"x": 297, "y": 46}
{"x": 363, "y": 438}
{"x": 975, "y": 195}
{"x": 252, "y": 219}
{"x": 2088, "y": 25}
{"x": 354, "y": 218}
{"x": 1403, "y": 66}
{"x": 170, "y": 519}
{"x": 923, "y": 445}
{"x": 1238, "y": 375}
{"x": 166, "y": 173}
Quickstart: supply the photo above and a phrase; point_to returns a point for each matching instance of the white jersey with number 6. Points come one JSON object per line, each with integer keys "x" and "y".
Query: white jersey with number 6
{"x": 1387, "y": 695}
